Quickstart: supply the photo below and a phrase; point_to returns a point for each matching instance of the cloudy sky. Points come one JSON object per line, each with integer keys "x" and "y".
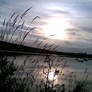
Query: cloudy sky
{"x": 67, "y": 23}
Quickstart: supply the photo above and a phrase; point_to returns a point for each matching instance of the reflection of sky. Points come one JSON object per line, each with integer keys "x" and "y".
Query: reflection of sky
{"x": 72, "y": 66}
{"x": 78, "y": 13}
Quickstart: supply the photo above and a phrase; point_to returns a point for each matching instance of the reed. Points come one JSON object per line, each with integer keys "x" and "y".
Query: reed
{"x": 13, "y": 28}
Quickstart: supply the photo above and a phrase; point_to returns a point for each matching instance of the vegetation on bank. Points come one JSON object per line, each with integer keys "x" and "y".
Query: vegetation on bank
{"x": 9, "y": 82}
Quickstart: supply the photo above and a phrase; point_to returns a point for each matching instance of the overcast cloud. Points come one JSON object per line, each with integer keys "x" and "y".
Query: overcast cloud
{"x": 77, "y": 12}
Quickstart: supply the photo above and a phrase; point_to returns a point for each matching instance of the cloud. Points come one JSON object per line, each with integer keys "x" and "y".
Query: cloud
{"x": 82, "y": 33}
{"x": 72, "y": 29}
{"x": 78, "y": 12}
{"x": 74, "y": 34}
{"x": 36, "y": 36}
{"x": 79, "y": 29}
{"x": 60, "y": 12}
{"x": 87, "y": 29}
{"x": 3, "y": 2}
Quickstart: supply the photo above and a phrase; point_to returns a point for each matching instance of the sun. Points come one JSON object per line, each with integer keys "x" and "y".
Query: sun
{"x": 55, "y": 29}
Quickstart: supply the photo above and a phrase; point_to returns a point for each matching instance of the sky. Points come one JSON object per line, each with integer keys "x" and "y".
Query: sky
{"x": 66, "y": 23}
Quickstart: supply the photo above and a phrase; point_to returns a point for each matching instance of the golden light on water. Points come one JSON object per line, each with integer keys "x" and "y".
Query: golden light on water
{"x": 55, "y": 29}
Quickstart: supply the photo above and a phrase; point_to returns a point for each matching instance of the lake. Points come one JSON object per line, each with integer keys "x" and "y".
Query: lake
{"x": 59, "y": 70}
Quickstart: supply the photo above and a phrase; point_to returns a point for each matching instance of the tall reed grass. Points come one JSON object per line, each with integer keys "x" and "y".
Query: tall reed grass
{"x": 14, "y": 29}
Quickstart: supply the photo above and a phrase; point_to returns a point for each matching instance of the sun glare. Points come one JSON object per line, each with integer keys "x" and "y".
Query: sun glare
{"x": 52, "y": 76}
{"x": 55, "y": 29}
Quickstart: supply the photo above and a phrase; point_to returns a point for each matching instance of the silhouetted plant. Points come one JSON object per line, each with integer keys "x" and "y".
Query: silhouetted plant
{"x": 8, "y": 82}
{"x": 13, "y": 28}
{"x": 80, "y": 87}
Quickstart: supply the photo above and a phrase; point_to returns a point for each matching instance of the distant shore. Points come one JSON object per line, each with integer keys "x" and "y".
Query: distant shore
{"x": 18, "y": 49}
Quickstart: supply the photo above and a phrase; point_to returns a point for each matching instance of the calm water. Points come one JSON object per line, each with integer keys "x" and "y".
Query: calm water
{"x": 67, "y": 68}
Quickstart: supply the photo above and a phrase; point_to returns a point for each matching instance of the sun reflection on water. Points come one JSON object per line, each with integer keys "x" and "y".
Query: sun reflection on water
{"x": 52, "y": 76}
